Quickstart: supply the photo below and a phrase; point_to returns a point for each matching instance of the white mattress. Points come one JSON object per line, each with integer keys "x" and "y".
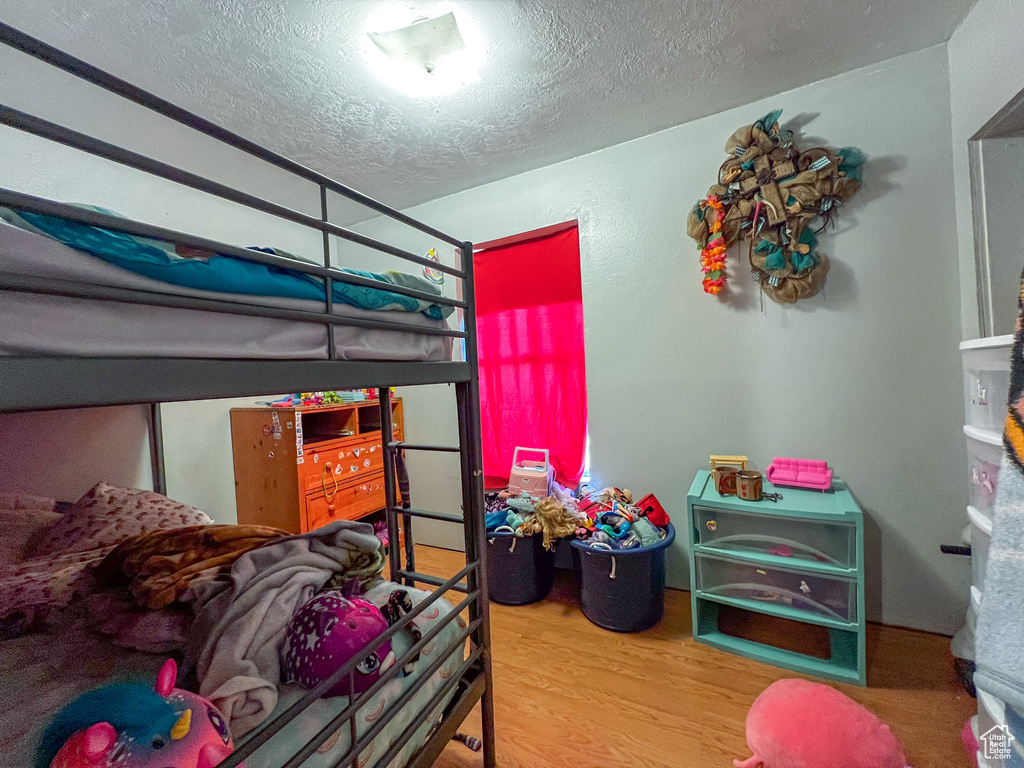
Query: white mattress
{"x": 32, "y": 324}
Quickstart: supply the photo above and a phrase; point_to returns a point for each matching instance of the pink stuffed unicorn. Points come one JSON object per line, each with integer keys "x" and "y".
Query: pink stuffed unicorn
{"x": 799, "y": 724}
{"x": 134, "y": 726}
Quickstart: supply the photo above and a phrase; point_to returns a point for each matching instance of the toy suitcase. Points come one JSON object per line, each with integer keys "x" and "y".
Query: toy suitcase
{"x": 529, "y": 475}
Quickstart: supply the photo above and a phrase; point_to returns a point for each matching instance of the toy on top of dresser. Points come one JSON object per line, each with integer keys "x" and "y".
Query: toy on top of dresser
{"x": 800, "y": 473}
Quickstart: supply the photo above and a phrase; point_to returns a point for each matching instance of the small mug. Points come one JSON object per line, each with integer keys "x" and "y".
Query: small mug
{"x": 748, "y": 485}
{"x": 725, "y": 480}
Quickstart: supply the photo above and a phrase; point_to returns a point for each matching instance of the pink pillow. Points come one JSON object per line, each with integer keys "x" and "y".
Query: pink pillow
{"x": 108, "y": 515}
{"x": 21, "y": 528}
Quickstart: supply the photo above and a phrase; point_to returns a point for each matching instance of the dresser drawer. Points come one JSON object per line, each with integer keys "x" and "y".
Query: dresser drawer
{"x": 352, "y": 501}
{"x": 822, "y": 541}
{"x": 817, "y": 594}
{"x": 342, "y": 462}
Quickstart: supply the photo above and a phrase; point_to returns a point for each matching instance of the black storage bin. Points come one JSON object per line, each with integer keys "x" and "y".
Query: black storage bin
{"x": 563, "y": 554}
{"x": 623, "y": 589}
{"x": 519, "y": 570}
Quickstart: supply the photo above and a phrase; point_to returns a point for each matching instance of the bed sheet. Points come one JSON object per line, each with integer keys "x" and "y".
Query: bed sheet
{"x": 54, "y": 325}
{"x": 40, "y": 673}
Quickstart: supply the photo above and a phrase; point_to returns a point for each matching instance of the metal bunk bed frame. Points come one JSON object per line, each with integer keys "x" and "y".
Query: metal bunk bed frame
{"x": 50, "y": 382}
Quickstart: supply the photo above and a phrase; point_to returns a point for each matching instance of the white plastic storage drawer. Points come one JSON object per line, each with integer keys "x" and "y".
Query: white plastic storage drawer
{"x": 984, "y": 455}
{"x": 999, "y": 751}
{"x": 986, "y": 364}
{"x": 991, "y": 714}
{"x": 981, "y": 540}
{"x": 962, "y": 645}
{"x": 821, "y": 541}
{"x": 828, "y": 596}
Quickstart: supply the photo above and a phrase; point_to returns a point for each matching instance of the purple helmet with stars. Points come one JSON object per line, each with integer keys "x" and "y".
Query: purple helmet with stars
{"x": 328, "y": 631}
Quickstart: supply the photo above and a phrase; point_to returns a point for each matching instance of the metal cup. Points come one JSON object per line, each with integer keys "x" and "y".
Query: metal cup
{"x": 725, "y": 480}
{"x": 748, "y": 485}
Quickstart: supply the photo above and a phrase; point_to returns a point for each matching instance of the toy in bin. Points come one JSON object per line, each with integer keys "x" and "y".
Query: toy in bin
{"x": 131, "y": 725}
{"x": 530, "y": 475}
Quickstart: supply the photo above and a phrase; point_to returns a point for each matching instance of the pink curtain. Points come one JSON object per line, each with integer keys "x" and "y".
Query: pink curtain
{"x": 533, "y": 388}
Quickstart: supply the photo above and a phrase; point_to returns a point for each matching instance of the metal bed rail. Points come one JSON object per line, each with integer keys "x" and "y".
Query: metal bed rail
{"x": 17, "y": 39}
{"x": 45, "y": 129}
{"x": 55, "y": 381}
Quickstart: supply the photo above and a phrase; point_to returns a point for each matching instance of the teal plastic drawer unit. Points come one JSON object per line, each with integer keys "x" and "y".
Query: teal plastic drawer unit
{"x": 800, "y": 559}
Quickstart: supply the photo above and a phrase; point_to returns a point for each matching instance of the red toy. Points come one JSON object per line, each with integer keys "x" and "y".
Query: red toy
{"x": 651, "y": 508}
{"x": 800, "y": 724}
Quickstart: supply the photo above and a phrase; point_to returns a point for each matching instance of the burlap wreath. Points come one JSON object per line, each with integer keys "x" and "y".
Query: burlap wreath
{"x": 772, "y": 195}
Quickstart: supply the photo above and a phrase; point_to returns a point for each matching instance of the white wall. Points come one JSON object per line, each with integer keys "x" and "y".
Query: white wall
{"x": 865, "y": 375}
{"x": 62, "y": 454}
{"x": 986, "y": 70}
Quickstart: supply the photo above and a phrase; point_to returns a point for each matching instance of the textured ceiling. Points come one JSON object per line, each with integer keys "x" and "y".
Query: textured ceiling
{"x": 559, "y": 78}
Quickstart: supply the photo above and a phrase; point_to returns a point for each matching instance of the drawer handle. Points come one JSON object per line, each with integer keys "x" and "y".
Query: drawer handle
{"x": 323, "y": 481}
{"x": 330, "y": 508}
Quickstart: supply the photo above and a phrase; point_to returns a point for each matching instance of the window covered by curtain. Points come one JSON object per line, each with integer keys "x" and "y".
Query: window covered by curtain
{"x": 533, "y": 389}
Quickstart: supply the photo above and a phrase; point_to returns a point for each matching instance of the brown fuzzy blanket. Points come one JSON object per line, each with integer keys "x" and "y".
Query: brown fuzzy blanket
{"x": 161, "y": 565}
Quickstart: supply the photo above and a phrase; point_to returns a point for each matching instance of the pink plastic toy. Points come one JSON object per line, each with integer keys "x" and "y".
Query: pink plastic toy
{"x": 799, "y": 473}
{"x": 531, "y": 476}
{"x": 969, "y": 741}
{"x": 199, "y": 737}
{"x": 328, "y": 631}
{"x": 800, "y": 724}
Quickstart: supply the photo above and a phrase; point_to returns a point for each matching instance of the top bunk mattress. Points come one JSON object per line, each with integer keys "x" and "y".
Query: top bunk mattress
{"x": 40, "y": 324}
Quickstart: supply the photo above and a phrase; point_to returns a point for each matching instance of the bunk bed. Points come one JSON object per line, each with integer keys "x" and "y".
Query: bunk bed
{"x": 281, "y": 345}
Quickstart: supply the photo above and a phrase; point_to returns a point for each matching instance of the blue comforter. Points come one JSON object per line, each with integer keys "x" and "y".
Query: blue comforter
{"x": 204, "y": 270}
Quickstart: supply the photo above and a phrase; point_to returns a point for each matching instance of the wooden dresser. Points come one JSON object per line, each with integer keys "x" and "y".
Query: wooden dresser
{"x": 300, "y": 468}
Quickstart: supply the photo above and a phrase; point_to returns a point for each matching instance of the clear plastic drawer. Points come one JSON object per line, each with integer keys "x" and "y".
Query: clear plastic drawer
{"x": 822, "y": 541}
{"x": 986, "y": 364}
{"x": 816, "y": 594}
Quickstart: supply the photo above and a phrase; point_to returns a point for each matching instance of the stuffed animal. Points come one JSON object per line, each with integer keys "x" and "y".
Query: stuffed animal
{"x": 800, "y": 724}
{"x": 129, "y": 725}
{"x": 328, "y": 631}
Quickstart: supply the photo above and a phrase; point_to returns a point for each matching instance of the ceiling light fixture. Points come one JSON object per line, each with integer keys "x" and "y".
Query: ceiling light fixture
{"x": 426, "y": 56}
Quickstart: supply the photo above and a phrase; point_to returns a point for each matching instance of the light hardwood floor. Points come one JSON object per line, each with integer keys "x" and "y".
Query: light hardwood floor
{"x": 572, "y": 695}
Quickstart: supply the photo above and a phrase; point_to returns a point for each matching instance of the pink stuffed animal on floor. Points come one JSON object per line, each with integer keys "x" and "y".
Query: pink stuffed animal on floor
{"x": 799, "y": 724}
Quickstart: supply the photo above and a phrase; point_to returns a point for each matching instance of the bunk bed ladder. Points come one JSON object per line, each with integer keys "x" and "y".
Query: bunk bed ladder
{"x": 467, "y": 396}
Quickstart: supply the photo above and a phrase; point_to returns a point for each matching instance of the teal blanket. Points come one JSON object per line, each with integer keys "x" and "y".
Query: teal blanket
{"x": 204, "y": 270}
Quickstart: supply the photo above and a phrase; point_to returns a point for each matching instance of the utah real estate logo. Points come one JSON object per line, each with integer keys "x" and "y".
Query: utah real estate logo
{"x": 995, "y": 743}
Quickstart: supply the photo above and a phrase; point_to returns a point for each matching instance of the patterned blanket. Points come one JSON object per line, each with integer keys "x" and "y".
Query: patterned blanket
{"x": 162, "y": 565}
